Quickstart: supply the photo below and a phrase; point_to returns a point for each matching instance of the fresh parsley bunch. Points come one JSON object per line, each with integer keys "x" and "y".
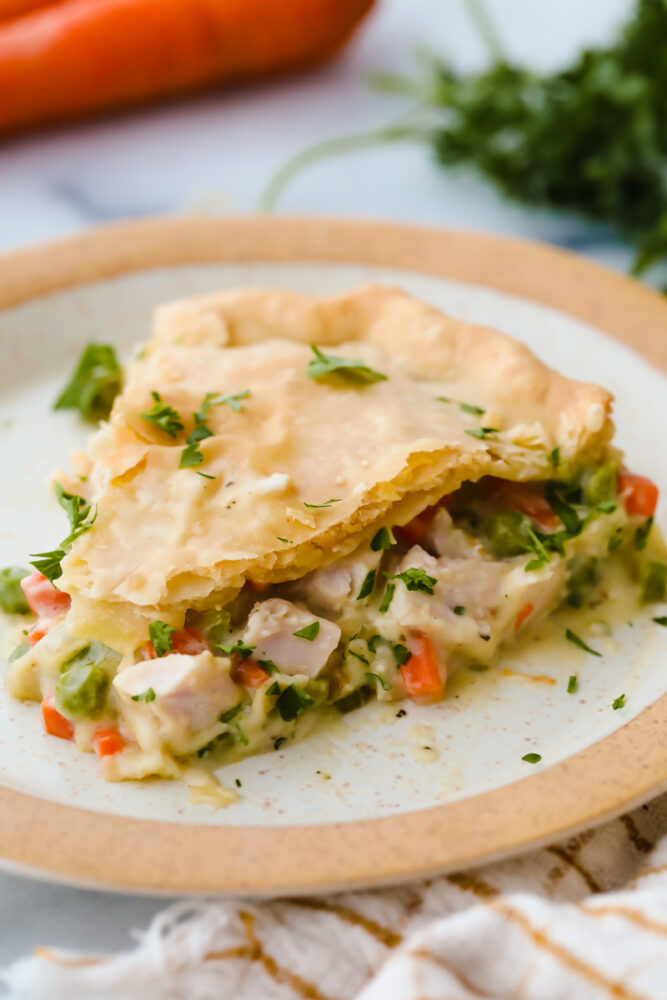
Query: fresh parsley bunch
{"x": 590, "y": 139}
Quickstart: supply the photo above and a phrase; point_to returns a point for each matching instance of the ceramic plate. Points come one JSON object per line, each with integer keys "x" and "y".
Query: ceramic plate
{"x": 374, "y": 797}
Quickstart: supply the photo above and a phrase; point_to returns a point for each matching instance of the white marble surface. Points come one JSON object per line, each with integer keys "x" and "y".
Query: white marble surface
{"x": 215, "y": 154}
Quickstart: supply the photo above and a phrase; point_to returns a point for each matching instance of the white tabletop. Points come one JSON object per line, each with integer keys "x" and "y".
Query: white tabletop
{"x": 214, "y": 154}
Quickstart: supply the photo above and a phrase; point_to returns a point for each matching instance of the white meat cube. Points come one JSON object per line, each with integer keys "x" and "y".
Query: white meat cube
{"x": 271, "y": 627}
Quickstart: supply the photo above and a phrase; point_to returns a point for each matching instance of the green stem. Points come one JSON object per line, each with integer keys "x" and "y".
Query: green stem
{"x": 487, "y": 29}
{"x": 331, "y": 147}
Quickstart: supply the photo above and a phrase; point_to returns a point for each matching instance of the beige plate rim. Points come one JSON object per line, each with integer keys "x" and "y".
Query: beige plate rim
{"x": 624, "y": 769}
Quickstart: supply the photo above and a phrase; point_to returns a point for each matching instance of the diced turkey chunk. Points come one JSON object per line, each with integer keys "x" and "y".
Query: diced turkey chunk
{"x": 328, "y": 589}
{"x": 190, "y": 691}
{"x": 271, "y": 627}
{"x": 487, "y": 595}
{"x": 446, "y": 540}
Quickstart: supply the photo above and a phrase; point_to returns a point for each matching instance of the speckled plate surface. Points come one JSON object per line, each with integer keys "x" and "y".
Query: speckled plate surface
{"x": 372, "y": 797}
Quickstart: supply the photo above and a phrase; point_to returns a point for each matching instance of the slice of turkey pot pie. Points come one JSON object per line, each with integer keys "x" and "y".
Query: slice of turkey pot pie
{"x": 303, "y": 502}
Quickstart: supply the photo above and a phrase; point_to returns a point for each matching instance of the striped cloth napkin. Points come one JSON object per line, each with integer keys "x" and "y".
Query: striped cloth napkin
{"x": 581, "y": 920}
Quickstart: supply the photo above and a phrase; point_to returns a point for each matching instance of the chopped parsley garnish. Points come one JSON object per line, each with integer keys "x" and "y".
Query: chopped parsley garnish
{"x": 476, "y": 411}
{"x": 374, "y": 642}
{"x": 574, "y": 638}
{"x": 274, "y": 689}
{"x": 48, "y": 563}
{"x": 661, "y": 621}
{"x": 642, "y": 533}
{"x": 572, "y": 684}
{"x": 381, "y": 540}
{"x": 387, "y": 599}
{"x": 237, "y": 782}
{"x": 308, "y": 632}
{"x": 359, "y": 656}
{"x": 191, "y": 456}
{"x": 554, "y": 457}
{"x": 459, "y": 609}
{"x": 618, "y": 702}
{"x": 614, "y": 542}
{"x": 12, "y": 598}
{"x": 415, "y": 579}
{"x": 317, "y": 506}
{"x": 481, "y": 432}
{"x": 279, "y": 742}
{"x": 354, "y": 371}
{"x": 204, "y": 475}
{"x": 268, "y": 666}
{"x": 293, "y": 702}
{"x": 241, "y": 736}
{"x": 542, "y": 556}
{"x": 147, "y": 695}
{"x": 401, "y": 653}
{"x": 239, "y": 649}
{"x": 287, "y": 541}
{"x": 78, "y": 511}
{"x": 161, "y": 637}
{"x": 231, "y": 713}
{"x": 562, "y": 509}
{"x": 367, "y": 585}
{"x": 370, "y": 676}
{"x": 532, "y": 758}
{"x": 355, "y": 699}
{"x": 217, "y": 399}
{"x": 95, "y": 383}
{"x": 163, "y": 416}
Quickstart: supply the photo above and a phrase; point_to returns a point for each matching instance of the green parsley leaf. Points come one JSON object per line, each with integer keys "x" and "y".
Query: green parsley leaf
{"x": 459, "y": 609}
{"x": 241, "y": 736}
{"x": 191, "y": 456}
{"x": 614, "y": 542}
{"x": 374, "y": 642}
{"x": 642, "y": 533}
{"x": 358, "y": 656}
{"x": 367, "y": 585}
{"x": 476, "y": 411}
{"x": 562, "y": 509}
{"x": 353, "y": 700}
{"x": 268, "y": 666}
{"x": 308, "y": 632}
{"x": 274, "y": 689}
{"x": 618, "y": 702}
{"x": 163, "y": 416}
{"x": 147, "y": 695}
{"x": 217, "y": 399}
{"x": 237, "y": 782}
{"x": 387, "y": 599}
{"x": 542, "y": 554}
{"x": 385, "y": 685}
{"x": 78, "y": 512}
{"x": 353, "y": 371}
{"x": 239, "y": 648}
{"x": 287, "y": 541}
{"x": 481, "y": 432}
{"x": 661, "y": 621}
{"x": 572, "y": 684}
{"x": 382, "y": 539}
{"x": 95, "y": 383}
{"x": 532, "y": 758}
{"x": 401, "y": 653}
{"x": 48, "y": 563}
{"x": 554, "y": 457}
{"x": 199, "y": 433}
{"x": 12, "y": 598}
{"x": 204, "y": 475}
{"x": 317, "y": 506}
{"x": 231, "y": 713}
{"x": 293, "y": 702}
{"x": 160, "y": 635}
{"x": 415, "y": 579}
{"x": 574, "y": 638}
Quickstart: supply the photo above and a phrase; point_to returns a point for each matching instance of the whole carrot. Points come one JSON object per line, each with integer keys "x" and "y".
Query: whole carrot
{"x": 67, "y": 59}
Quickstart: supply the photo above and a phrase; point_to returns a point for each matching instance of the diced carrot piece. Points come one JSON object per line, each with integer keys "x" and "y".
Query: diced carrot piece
{"x": 413, "y": 532}
{"x": 525, "y": 612}
{"x": 526, "y": 498}
{"x": 186, "y": 640}
{"x": 248, "y": 673}
{"x": 107, "y": 742}
{"x": 43, "y": 597}
{"x": 640, "y": 495}
{"x": 40, "y": 628}
{"x": 422, "y": 675}
{"x": 54, "y": 723}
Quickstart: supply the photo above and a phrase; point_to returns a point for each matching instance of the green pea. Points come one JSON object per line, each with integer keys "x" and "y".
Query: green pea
{"x": 507, "y": 533}
{"x": 601, "y": 484}
{"x": 95, "y": 654}
{"x": 12, "y": 598}
{"x": 583, "y": 577}
{"x": 653, "y": 582}
{"x": 82, "y": 690}
{"x": 17, "y": 653}
{"x": 214, "y": 624}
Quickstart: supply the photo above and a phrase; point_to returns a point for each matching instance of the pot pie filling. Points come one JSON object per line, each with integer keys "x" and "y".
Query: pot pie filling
{"x": 206, "y": 610}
